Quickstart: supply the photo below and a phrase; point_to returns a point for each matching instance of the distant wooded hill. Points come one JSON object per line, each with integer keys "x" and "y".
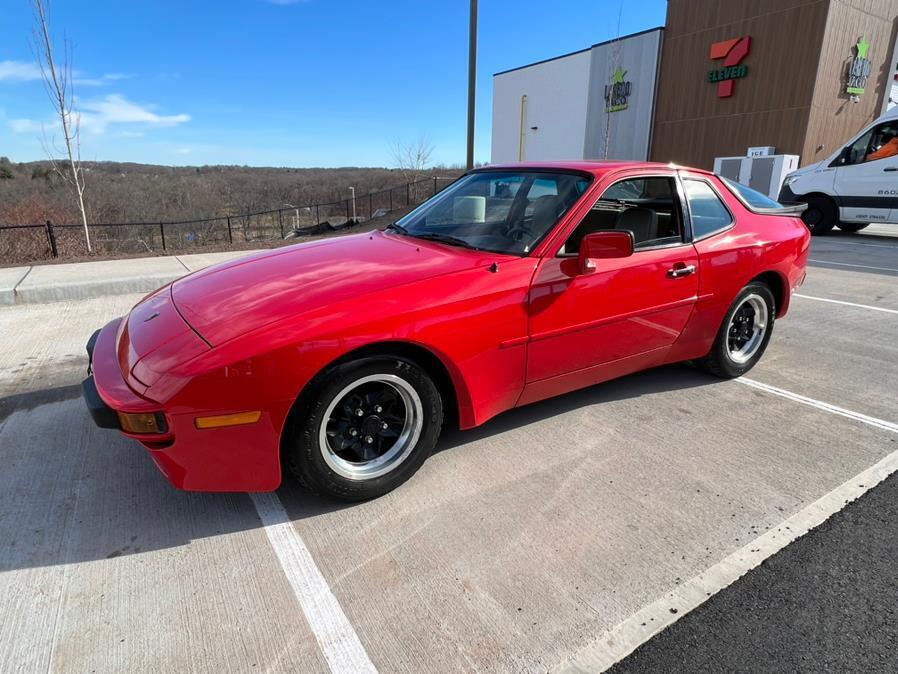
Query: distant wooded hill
{"x": 31, "y": 193}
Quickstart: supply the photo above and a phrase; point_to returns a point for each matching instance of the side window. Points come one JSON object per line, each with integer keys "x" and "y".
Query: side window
{"x": 648, "y": 207}
{"x": 706, "y": 211}
{"x": 857, "y": 151}
{"x": 884, "y": 143}
{"x": 880, "y": 142}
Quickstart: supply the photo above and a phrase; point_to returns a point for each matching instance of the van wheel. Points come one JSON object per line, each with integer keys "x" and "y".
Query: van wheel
{"x": 852, "y": 227}
{"x": 821, "y": 215}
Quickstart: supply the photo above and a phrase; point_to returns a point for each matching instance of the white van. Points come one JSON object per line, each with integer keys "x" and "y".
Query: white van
{"x": 856, "y": 186}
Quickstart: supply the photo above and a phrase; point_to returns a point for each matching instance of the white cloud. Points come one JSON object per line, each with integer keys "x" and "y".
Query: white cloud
{"x": 19, "y": 71}
{"x": 97, "y": 115}
{"x": 25, "y": 126}
{"x": 102, "y": 81}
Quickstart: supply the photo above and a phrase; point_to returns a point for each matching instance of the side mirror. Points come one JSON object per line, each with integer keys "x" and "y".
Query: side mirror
{"x": 602, "y": 246}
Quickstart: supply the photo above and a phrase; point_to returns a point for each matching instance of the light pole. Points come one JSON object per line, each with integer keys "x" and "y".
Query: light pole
{"x": 472, "y": 79}
{"x": 352, "y": 189}
{"x": 295, "y": 216}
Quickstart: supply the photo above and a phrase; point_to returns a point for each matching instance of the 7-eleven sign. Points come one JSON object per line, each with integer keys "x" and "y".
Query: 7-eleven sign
{"x": 732, "y": 52}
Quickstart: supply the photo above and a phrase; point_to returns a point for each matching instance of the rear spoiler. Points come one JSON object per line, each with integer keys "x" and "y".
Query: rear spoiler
{"x": 789, "y": 208}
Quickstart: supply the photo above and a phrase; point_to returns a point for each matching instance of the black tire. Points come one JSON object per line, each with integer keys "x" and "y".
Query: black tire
{"x": 303, "y": 451}
{"x": 720, "y": 361}
{"x": 821, "y": 215}
{"x": 852, "y": 227}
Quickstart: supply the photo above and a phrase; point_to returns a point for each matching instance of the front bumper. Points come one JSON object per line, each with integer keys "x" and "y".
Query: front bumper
{"x": 102, "y": 414}
{"x": 786, "y": 195}
{"x": 238, "y": 458}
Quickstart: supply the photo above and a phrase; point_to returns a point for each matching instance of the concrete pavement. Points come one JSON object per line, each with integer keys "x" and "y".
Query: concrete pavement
{"x": 842, "y": 573}
{"x": 515, "y": 547}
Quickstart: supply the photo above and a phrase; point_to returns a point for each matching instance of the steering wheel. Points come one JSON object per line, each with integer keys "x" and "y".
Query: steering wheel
{"x": 517, "y": 232}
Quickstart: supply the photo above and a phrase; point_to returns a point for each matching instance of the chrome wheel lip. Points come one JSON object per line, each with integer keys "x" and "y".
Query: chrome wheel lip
{"x": 760, "y": 325}
{"x": 401, "y": 448}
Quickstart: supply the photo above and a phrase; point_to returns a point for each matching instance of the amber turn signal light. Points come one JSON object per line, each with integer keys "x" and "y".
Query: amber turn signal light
{"x": 143, "y": 423}
{"x": 222, "y": 420}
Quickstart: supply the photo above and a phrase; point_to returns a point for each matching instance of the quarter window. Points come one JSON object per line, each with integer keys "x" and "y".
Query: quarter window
{"x": 706, "y": 211}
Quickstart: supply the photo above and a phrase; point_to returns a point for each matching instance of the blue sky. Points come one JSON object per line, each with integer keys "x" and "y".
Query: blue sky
{"x": 284, "y": 82}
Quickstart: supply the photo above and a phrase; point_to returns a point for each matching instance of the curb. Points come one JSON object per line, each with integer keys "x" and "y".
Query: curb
{"x": 45, "y": 294}
{"x": 43, "y": 284}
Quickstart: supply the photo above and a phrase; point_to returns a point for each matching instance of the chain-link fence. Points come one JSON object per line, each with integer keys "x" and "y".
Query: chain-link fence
{"x": 22, "y": 244}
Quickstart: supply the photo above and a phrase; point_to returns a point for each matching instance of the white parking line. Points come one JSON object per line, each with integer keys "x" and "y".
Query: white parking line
{"x": 849, "y": 304}
{"x": 820, "y": 405}
{"x": 839, "y": 243}
{"x": 338, "y": 641}
{"x": 848, "y": 264}
{"x": 630, "y": 634}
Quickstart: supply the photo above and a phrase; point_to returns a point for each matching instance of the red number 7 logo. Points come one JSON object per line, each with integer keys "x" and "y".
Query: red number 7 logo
{"x": 732, "y": 51}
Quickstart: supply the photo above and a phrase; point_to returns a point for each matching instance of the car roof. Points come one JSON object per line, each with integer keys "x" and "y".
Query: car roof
{"x": 595, "y": 167}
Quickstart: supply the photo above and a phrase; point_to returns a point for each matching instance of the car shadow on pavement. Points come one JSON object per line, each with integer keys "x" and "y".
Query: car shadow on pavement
{"x": 72, "y": 493}
{"x": 658, "y": 380}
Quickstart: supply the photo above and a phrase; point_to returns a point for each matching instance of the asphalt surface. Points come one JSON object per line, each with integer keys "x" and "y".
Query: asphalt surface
{"x": 826, "y": 603}
{"x": 519, "y": 546}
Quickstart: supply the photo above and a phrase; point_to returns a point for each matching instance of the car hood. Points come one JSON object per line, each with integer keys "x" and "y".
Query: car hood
{"x": 227, "y": 300}
{"x": 804, "y": 170}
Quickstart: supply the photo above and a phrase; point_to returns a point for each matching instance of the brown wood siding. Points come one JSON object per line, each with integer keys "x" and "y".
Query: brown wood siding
{"x": 833, "y": 118}
{"x": 770, "y": 106}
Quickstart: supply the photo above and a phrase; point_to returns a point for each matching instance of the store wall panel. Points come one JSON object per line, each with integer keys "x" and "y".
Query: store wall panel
{"x": 769, "y": 106}
{"x": 834, "y": 118}
{"x": 625, "y": 132}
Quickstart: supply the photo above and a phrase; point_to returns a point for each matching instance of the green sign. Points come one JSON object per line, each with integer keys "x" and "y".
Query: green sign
{"x": 859, "y": 69}
{"x": 730, "y": 73}
{"x": 617, "y": 94}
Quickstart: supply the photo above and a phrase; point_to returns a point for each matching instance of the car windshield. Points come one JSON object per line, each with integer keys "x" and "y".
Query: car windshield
{"x": 500, "y": 211}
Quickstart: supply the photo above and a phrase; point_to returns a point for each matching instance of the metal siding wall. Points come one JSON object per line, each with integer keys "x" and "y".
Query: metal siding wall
{"x": 556, "y": 103}
{"x": 629, "y": 130}
{"x": 834, "y": 119}
{"x": 769, "y": 107}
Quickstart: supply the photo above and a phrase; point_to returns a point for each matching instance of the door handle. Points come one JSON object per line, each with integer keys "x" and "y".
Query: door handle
{"x": 890, "y": 169}
{"x": 680, "y": 270}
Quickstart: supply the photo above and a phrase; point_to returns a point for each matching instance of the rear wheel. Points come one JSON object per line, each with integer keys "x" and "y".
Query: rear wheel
{"x": 852, "y": 227}
{"x": 821, "y": 215}
{"x": 364, "y": 428}
{"x": 744, "y": 333}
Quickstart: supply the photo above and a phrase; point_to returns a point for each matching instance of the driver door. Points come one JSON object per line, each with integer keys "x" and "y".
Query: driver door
{"x": 586, "y": 328}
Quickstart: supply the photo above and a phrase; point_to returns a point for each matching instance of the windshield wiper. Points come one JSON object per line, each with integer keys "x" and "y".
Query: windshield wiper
{"x": 445, "y": 238}
{"x": 399, "y": 229}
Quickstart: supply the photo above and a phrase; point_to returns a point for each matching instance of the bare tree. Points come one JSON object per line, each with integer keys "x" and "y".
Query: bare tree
{"x": 412, "y": 159}
{"x": 58, "y": 83}
{"x": 614, "y": 64}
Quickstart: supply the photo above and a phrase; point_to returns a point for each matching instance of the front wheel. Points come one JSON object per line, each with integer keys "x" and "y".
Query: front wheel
{"x": 853, "y": 227}
{"x": 744, "y": 333}
{"x": 364, "y": 427}
{"x": 821, "y": 215}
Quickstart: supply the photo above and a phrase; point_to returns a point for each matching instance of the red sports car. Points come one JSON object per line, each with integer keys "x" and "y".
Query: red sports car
{"x": 343, "y": 358}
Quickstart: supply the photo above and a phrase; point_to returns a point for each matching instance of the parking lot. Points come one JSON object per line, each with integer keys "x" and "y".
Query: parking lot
{"x": 558, "y": 536}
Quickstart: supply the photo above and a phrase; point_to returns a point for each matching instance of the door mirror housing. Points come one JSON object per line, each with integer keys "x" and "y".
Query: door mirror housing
{"x": 602, "y": 246}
